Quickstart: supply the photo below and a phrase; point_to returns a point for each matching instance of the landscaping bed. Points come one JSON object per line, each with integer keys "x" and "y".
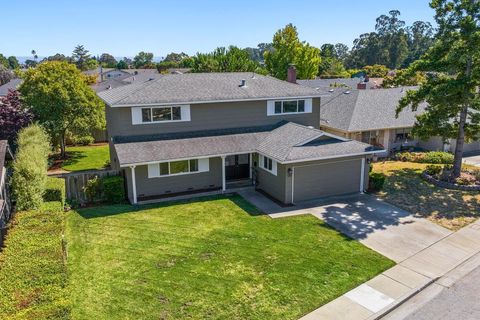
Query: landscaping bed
{"x": 214, "y": 257}
{"x": 405, "y": 188}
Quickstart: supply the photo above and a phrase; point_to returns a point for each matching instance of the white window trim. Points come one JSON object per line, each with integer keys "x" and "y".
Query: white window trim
{"x": 138, "y": 119}
{"x": 271, "y": 107}
{"x": 203, "y": 166}
{"x": 274, "y": 164}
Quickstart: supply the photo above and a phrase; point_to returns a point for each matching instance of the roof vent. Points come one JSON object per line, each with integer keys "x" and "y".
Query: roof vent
{"x": 151, "y": 79}
{"x": 331, "y": 90}
{"x": 243, "y": 83}
{"x": 347, "y": 92}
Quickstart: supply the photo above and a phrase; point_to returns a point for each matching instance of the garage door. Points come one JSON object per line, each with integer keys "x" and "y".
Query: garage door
{"x": 327, "y": 179}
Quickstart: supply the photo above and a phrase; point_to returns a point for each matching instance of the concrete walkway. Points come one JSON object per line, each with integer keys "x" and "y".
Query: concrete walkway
{"x": 423, "y": 250}
{"x": 472, "y": 159}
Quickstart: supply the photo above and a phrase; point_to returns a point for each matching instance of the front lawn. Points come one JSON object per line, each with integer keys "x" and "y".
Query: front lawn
{"x": 406, "y": 189}
{"x": 80, "y": 158}
{"x": 213, "y": 258}
{"x": 33, "y": 273}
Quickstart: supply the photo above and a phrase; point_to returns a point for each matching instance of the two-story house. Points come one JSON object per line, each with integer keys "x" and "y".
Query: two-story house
{"x": 203, "y": 132}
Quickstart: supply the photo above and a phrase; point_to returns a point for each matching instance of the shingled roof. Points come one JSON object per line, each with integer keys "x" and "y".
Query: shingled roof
{"x": 285, "y": 142}
{"x": 205, "y": 87}
{"x": 363, "y": 110}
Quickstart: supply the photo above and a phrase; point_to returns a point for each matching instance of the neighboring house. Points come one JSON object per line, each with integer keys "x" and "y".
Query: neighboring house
{"x": 199, "y": 132}
{"x": 11, "y": 85}
{"x": 350, "y": 83}
{"x": 5, "y": 204}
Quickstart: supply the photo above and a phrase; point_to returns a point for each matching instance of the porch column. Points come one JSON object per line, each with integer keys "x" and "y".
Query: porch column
{"x": 250, "y": 159}
{"x": 134, "y": 185}
{"x": 362, "y": 176}
{"x": 224, "y": 184}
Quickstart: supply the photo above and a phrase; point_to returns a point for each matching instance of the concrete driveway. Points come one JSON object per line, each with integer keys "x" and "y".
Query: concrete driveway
{"x": 472, "y": 159}
{"x": 393, "y": 232}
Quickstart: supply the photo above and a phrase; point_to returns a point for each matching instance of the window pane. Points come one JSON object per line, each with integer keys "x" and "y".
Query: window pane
{"x": 289, "y": 106}
{"x": 265, "y": 162}
{"x": 269, "y": 164}
{"x": 164, "y": 168}
{"x": 178, "y": 166}
{"x": 177, "y": 113}
{"x": 193, "y": 165}
{"x": 162, "y": 114}
{"x": 301, "y": 105}
{"x": 278, "y": 106}
{"x": 146, "y": 115}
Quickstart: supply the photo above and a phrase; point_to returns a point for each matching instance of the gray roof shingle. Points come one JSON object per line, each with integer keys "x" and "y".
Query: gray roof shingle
{"x": 363, "y": 110}
{"x": 12, "y": 84}
{"x": 203, "y": 87}
{"x": 288, "y": 142}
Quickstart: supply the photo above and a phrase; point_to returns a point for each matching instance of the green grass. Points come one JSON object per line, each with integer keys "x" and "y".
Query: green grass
{"x": 86, "y": 158}
{"x": 33, "y": 275}
{"x": 214, "y": 258}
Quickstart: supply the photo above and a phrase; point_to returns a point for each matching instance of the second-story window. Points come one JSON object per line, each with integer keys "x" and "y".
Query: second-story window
{"x": 159, "y": 114}
{"x": 289, "y": 106}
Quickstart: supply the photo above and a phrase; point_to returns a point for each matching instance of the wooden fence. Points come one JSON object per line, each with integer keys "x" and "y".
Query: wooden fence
{"x": 75, "y": 182}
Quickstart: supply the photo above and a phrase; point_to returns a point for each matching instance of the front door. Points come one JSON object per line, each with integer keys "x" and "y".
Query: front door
{"x": 237, "y": 167}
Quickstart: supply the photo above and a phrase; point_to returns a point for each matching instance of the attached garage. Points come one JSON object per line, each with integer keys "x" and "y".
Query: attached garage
{"x": 323, "y": 179}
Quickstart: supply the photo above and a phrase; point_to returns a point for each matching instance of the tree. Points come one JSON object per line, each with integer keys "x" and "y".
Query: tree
{"x": 5, "y": 75}
{"x": 13, "y": 62}
{"x": 451, "y": 87}
{"x": 257, "y": 54}
{"x": 175, "y": 57}
{"x": 331, "y": 65}
{"x": 35, "y": 56}
{"x": 287, "y": 50}
{"x": 341, "y": 51}
{"x": 420, "y": 38}
{"x": 231, "y": 59}
{"x": 122, "y": 64}
{"x": 143, "y": 60}
{"x": 81, "y": 57}
{"x": 61, "y": 101}
{"x": 4, "y": 61}
{"x": 13, "y": 116}
{"x": 58, "y": 57}
{"x": 376, "y": 71}
{"x": 107, "y": 60}
{"x": 30, "y": 63}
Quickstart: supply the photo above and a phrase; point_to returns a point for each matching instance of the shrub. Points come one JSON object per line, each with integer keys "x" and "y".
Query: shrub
{"x": 93, "y": 189}
{"x": 83, "y": 140}
{"x": 30, "y": 167}
{"x": 466, "y": 179}
{"x": 376, "y": 181}
{"x": 438, "y": 157}
{"x": 113, "y": 189}
{"x": 55, "y": 190}
{"x": 433, "y": 170}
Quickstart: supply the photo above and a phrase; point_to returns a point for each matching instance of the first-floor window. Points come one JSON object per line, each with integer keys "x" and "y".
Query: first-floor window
{"x": 402, "y": 135}
{"x": 268, "y": 164}
{"x": 178, "y": 167}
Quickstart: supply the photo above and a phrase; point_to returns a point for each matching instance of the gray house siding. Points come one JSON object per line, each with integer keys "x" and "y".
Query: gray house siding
{"x": 174, "y": 184}
{"x": 209, "y": 116}
{"x": 274, "y": 185}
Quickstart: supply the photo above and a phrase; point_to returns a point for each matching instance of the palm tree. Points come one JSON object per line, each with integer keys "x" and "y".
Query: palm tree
{"x": 35, "y": 57}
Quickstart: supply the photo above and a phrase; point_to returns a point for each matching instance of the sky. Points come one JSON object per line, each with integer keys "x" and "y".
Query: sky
{"x": 123, "y": 28}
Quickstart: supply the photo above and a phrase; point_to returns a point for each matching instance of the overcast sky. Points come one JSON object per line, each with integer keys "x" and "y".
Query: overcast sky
{"x": 123, "y": 28}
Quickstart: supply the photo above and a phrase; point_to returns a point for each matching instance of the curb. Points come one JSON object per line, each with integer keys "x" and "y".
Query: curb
{"x": 380, "y": 314}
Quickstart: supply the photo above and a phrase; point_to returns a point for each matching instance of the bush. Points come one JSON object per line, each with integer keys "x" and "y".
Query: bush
{"x": 83, "y": 140}
{"x": 438, "y": 157}
{"x": 30, "y": 167}
{"x": 55, "y": 190}
{"x": 433, "y": 170}
{"x": 376, "y": 181}
{"x": 466, "y": 179}
{"x": 93, "y": 189}
{"x": 113, "y": 189}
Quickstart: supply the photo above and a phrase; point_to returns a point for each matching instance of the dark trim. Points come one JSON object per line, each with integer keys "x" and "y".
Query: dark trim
{"x": 176, "y": 194}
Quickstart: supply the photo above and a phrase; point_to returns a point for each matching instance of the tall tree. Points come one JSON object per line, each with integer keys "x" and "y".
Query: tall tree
{"x": 107, "y": 60}
{"x": 288, "y": 49}
{"x": 341, "y": 51}
{"x": 61, "y": 100}
{"x": 451, "y": 88}
{"x": 13, "y": 116}
{"x": 35, "y": 56}
{"x": 231, "y": 59}
{"x": 58, "y": 57}
{"x": 13, "y": 62}
{"x": 143, "y": 60}
{"x": 175, "y": 57}
{"x": 420, "y": 38}
{"x": 81, "y": 57}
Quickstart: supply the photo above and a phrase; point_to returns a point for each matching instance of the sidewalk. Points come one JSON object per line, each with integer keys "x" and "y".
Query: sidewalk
{"x": 374, "y": 298}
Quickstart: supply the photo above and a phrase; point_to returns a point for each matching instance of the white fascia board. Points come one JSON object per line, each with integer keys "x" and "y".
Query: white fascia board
{"x": 334, "y": 157}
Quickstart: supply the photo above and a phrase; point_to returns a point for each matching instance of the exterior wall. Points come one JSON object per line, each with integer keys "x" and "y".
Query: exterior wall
{"x": 272, "y": 184}
{"x": 207, "y": 117}
{"x": 174, "y": 184}
{"x": 432, "y": 144}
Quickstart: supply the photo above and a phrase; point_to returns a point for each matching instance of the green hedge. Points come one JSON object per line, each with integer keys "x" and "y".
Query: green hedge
{"x": 376, "y": 181}
{"x": 33, "y": 274}
{"x": 55, "y": 190}
{"x": 113, "y": 189}
{"x": 433, "y": 157}
{"x": 30, "y": 167}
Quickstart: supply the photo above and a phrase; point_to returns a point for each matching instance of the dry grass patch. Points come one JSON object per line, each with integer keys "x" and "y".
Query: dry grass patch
{"x": 405, "y": 188}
